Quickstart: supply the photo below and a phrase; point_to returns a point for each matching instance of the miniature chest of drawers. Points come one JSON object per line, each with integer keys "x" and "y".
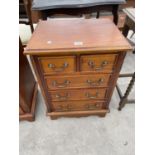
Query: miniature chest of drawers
{"x": 77, "y": 63}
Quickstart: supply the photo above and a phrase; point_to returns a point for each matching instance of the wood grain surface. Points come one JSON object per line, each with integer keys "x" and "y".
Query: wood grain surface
{"x": 71, "y": 36}
{"x": 77, "y": 81}
{"x": 77, "y": 63}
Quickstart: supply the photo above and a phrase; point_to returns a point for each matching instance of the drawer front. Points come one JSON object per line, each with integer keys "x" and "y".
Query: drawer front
{"x": 80, "y": 94}
{"x": 57, "y": 65}
{"x": 98, "y": 63}
{"x": 78, "y": 105}
{"x": 77, "y": 81}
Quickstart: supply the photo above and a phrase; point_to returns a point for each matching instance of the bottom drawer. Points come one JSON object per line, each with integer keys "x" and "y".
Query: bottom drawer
{"x": 78, "y": 105}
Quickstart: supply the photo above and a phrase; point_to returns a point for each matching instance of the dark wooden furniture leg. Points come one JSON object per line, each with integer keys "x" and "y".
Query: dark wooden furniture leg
{"x": 27, "y": 4}
{"x": 44, "y": 15}
{"x": 98, "y": 14}
{"x": 129, "y": 24}
{"x": 124, "y": 99}
{"x": 115, "y": 13}
{"x": 125, "y": 30}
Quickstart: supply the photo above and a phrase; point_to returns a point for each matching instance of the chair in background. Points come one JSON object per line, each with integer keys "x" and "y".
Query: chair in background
{"x": 129, "y": 25}
{"x": 25, "y": 13}
{"x": 74, "y": 7}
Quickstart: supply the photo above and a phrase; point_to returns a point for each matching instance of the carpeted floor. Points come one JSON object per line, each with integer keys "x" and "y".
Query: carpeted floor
{"x": 112, "y": 135}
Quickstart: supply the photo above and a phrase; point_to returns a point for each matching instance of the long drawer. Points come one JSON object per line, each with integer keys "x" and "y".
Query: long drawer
{"x": 78, "y": 94}
{"x": 77, "y": 81}
{"x": 78, "y": 105}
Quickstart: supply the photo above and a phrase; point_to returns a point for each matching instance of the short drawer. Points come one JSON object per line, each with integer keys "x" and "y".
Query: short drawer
{"x": 57, "y": 65}
{"x": 77, "y": 81}
{"x": 78, "y": 105}
{"x": 79, "y": 94}
{"x": 98, "y": 63}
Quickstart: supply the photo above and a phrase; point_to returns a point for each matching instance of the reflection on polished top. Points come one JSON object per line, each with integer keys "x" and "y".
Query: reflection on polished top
{"x": 76, "y": 35}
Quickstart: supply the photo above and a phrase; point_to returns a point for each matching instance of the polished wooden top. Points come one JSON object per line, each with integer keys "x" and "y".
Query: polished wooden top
{"x": 76, "y": 35}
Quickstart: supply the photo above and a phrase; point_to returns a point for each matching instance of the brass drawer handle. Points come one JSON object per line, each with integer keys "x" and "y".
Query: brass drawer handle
{"x": 90, "y": 107}
{"x": 65, "y": 97}
{"x": 61, "y": 85}
{"x": 92, "y": 96}
{"x": 64, "y": 108}
{"x": 95, "y": 83}
{"x": 92, "y": 65}
{"x": 59, "y": 108}
{"x": 69, "y": 107}
{"x": 64, "y": 66}
{"x": 94, "y": 106}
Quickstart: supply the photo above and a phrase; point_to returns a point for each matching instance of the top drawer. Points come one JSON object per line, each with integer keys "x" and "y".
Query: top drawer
{"x": 57, "y": 65}
{"x": 98, "y": 63}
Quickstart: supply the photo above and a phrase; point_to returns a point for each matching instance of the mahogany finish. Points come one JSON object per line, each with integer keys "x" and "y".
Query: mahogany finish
{"x": 77, "y": 81}
{"x": 84, "y": 94}
{"x": 76, "y": 36}
{"x": 98, "y": 63}
{"x": 78, "y": 105}
{"x": 77, "y": 66}
{"x": 27, "y": 88}
{"x": 53, "y": 65}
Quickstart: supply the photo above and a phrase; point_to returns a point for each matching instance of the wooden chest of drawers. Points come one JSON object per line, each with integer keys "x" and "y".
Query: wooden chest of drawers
{"x": 77, "y": 63}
